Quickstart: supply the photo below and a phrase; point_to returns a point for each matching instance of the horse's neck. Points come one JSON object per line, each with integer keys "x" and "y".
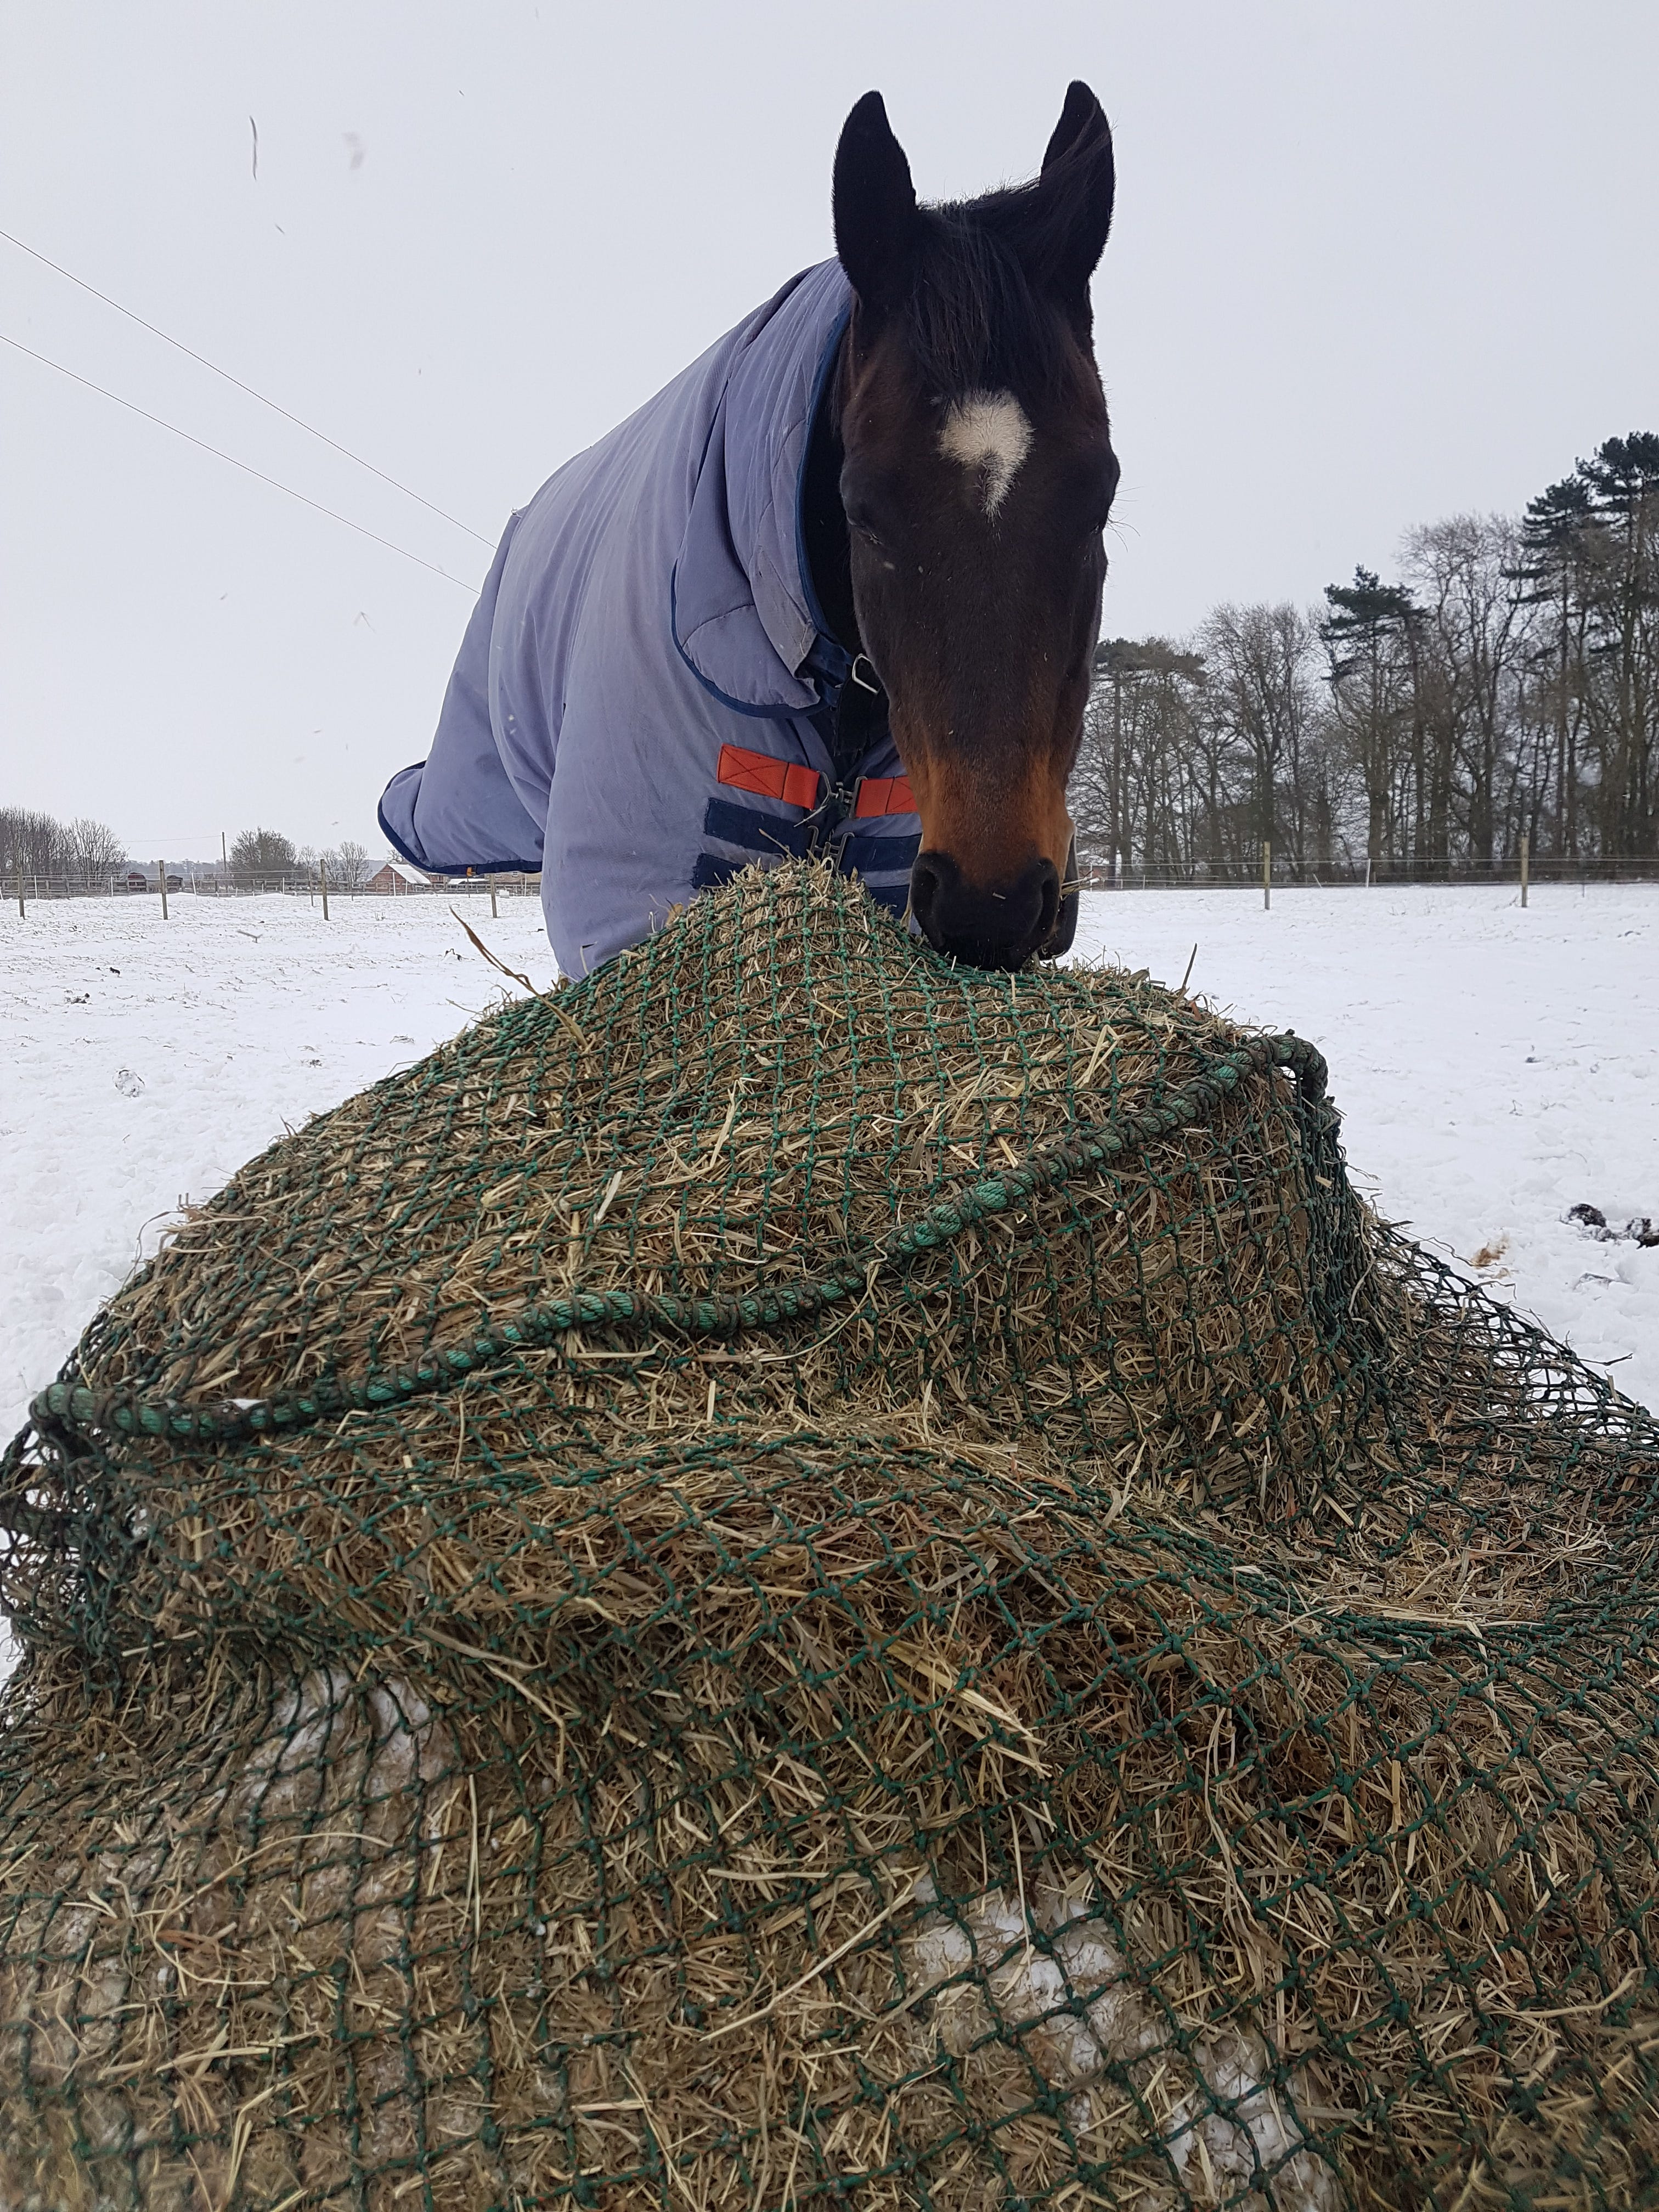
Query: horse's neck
{"x": 860, "y": 715}
{"x": 824, "y": 522}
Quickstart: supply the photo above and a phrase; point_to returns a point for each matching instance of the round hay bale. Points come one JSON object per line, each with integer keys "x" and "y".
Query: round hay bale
{"x": 795, "y": 1575}
{"x": 826, "y": 1819}
{"x": 782, "y": 1157}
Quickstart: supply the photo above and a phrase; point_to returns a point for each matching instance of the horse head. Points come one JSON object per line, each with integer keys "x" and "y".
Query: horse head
{"x": 976, "y": 477}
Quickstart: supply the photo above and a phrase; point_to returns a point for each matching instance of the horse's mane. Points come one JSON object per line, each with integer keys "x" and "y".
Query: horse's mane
{"x": 973, "y": 318}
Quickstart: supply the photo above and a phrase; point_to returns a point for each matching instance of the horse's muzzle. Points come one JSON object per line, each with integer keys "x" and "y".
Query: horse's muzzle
{"x": 999, "y": 926}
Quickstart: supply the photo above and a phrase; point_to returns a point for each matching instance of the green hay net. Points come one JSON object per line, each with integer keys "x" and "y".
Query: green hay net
{"x": 799, "y": 1576}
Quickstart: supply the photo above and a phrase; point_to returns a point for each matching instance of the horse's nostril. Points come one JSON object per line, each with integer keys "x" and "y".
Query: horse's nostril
{"x": 927, "y": 886}
{"x": 989, "y": 926}
{"x": 1050, "y": 911}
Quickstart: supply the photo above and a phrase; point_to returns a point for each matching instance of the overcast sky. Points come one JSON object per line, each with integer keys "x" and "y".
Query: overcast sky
{"x": 1372, "y": 265}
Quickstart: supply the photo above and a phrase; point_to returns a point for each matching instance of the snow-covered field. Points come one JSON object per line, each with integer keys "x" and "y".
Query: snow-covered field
{"x": 1495, "y": 1067}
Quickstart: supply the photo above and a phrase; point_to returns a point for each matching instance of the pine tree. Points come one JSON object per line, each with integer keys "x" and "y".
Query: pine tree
{"x": 1622, "y": 480}
{"x": 1136, "y": 731}
{"x": 1366, "y": 618}
{"x": 1555, "y": 534}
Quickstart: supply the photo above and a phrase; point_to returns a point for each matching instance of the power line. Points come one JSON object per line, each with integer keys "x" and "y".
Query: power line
{"x": 189, "y": 439}
{"x": 180, "y": 345}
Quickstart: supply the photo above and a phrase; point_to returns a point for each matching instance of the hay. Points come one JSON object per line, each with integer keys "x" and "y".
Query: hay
{"x": 843, "y": 1134}
{"x": 1135, "y": 1688}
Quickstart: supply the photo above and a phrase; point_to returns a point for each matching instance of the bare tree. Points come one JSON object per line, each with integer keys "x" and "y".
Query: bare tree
{"x": 349, "y": 866}
{"x": 1473, "y": 629}
{"x": 1263, "y": 670}
{"x": 32, "y": 843}
{"x": 96, "y": 853}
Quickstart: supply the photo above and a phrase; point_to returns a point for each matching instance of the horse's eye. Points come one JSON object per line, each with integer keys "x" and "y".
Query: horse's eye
{"x": 862, "y": 526}
{"x": 1096, "y": 488}
{"x": 1113, "y": 471}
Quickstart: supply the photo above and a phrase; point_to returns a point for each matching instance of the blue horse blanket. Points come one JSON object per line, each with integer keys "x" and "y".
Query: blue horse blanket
{"x": 645, "y": 695}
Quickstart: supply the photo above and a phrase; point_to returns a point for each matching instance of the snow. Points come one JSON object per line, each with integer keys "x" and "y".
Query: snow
{"x": 1072, "y": 2007}
{"x": 1495, "y": 1067}
{"x": 144, "y": 1061}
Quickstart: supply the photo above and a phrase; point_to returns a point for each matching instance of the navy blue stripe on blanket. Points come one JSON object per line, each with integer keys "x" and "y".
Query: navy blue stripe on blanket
{"x": 710, "y": 872}
{"x": 878, "y": 856}
{"x": 896, "y": 898}
{"x": 760, "y": 832}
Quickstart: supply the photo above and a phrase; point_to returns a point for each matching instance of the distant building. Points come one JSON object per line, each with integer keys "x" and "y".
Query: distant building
{"x": 481, "y": 880}
{"x": 397, "y": 877}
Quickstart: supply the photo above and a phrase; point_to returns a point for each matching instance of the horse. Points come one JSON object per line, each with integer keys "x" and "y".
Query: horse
{"x": 835, "y": 590}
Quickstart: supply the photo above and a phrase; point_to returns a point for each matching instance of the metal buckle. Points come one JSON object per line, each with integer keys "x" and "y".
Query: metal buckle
{"x": 872, "y": 683}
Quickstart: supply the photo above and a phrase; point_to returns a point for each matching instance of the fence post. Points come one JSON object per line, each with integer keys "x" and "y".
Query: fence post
{"x": 21, "y": 916}
{"x": 161, "y": 877}
{"x": 493, "y": 916}
{"x": 1267, "y": 874}
{"x": 322, "y": 885}
{"x": 1523, "y": 867}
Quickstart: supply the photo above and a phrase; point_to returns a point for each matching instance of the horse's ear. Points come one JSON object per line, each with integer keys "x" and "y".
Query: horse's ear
{"x": 1081, "y": 112}
{"x": 875, "y": 203}
{"x": 1070, "y": 210}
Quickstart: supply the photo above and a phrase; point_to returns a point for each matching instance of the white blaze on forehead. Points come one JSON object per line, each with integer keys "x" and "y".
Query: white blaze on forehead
{"x": 988, "y": 432}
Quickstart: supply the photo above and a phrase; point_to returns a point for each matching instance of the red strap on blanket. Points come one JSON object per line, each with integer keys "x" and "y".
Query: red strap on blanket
{"x": 768, "y": 777}
{"x": 884, "y": 794}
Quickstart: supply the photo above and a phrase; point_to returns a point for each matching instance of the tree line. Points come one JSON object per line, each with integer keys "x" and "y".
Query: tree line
{"x": 87, "y": 855}
{"x": 1503, "y": 682}
{"x": 266, "y": 856}
{"x": 83, "y": 854}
